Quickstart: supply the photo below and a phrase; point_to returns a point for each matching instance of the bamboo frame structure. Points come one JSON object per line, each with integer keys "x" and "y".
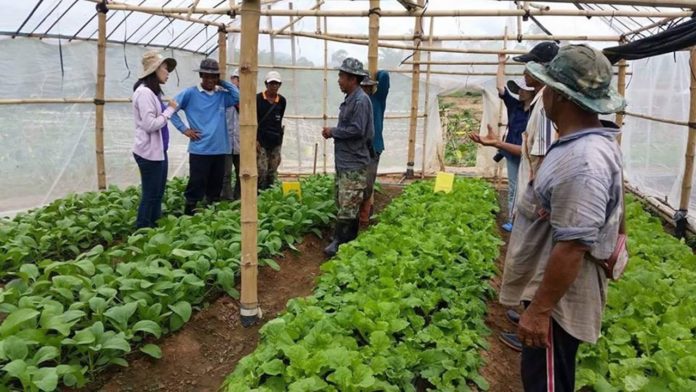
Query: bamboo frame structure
{"x": 99, "y": 100}
{"x": 249, "y": 308}
{"x": 415, "y": 90}
{"x": 656, "y": 119}
{"x": 688, "y": 174}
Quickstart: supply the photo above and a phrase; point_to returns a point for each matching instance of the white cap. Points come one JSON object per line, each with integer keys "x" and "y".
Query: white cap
{"x": 235, "y": 74}
{"x": 273, "y": 76}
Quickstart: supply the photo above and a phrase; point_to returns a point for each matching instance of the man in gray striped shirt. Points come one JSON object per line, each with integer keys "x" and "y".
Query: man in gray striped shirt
{"x": 570, "y": 210}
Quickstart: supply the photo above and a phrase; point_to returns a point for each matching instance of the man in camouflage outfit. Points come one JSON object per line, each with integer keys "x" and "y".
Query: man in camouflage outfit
{"x": 352, "y": 151}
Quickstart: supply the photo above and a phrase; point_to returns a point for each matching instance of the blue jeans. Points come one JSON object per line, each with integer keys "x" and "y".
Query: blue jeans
{"x": 153, "y": 178}
{"x": 513, "y": 166}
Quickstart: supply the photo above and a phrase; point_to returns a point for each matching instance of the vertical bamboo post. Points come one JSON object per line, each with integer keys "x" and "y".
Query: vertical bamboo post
{"x": 498, "y": 165}
{"x": 690, "y": 147}
{"x": 231, "y": 42}
{"x": 248, "y": 70}
{"x": 426, "y": 110}
{"x": 295, "y": 95}
{"x": 373, "y": 44}
{"x": 99, "y": 98}
{"x": 271, "y": 37}
{"x": 222, "y": 52}
{"x": 621, "y": 86}
{"x": 415, "y": 90}
{"x": 325, "y": 95}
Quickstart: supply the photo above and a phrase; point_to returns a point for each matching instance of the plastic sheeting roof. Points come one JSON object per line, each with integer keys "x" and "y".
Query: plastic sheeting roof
{"x": 69, "y": 20}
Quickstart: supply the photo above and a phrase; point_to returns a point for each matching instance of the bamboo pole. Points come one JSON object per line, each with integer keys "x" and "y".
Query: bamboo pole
{"x": 426, "y": 110}
{"x": 271, "y": 38}
{"x": 373, "y": 47}
{"x": 249, "y": 309}
{"x": 621, "y": 87}
{"x": 529, "y": 37}
{"x": 222, "y": 53}
{"x": 431, "y": 12}
{"x": 99, "y": 99}
{"x": 293, "y": 54}
{"x": 656, "y": 119}
{"x": 415, "y": 90}
{"x": 688, "y": 174}
{"x": 498, "y": 165}
{"x": 317, "y": 117}
{"x": 646, "y": 3}
{"x": 325, "y": 92}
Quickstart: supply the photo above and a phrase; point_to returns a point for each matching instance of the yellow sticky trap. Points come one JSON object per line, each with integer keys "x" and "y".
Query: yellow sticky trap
{"x": 444, "y": 182}
{"x": 292, "y": 187}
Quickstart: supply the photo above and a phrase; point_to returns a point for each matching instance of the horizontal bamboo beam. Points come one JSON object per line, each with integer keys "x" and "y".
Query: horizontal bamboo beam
{"x": 660, "y": 120}
{"x": 22, "y": 101}
{"x": 225, "y": 9}
{"x": 659, "y": 23}
{"x": 524, "y": 37}
{"x": 646, "y": 3}
{"x": 467, "y": 63}
{"x": 160, "y": 12}
{"x": 319, "y": 117}
{"x": 282, "y": 29}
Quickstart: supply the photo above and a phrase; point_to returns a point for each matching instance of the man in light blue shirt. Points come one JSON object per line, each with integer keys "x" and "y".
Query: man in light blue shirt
{"x": 205, "y": 106}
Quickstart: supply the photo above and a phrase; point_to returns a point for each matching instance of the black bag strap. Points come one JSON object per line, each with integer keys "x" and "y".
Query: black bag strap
{"x": 265, "y": 116}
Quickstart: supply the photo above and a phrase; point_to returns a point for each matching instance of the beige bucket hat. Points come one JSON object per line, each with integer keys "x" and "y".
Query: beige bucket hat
{"x": 152, "y": 60}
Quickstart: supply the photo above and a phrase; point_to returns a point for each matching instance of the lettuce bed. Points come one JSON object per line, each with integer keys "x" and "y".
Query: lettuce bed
{"x": 402, "y": 306}
{"x": 648, "y": 341}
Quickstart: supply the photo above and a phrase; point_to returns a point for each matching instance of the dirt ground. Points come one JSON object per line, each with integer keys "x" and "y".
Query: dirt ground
{"x": 207, "y": 348}
{"x": 502, "y": 369}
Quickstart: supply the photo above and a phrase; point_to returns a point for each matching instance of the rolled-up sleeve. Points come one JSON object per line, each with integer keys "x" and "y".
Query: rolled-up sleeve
{"x": 578, "y": 209}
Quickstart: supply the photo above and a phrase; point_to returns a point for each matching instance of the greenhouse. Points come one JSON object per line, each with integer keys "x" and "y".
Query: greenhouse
{"x": 239, "y": 294}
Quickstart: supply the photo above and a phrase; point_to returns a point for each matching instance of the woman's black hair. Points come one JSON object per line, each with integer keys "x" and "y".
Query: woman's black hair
{"x": 152, "y": 82}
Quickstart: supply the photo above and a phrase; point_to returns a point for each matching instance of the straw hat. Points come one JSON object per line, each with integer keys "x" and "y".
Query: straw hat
{"x": 152, "y": 60}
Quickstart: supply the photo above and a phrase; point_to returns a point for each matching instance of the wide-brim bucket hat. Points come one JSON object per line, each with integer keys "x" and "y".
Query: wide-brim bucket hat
{"x": 352, "y": 66}
{"x": 583, "y": 75}
{"x": 152, "y": 60}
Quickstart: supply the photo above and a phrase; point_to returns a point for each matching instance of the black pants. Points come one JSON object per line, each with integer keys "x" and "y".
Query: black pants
{"x": 551, "y": 369}
{"x": 205, "y": 178}
{"x": 153, "y": 179}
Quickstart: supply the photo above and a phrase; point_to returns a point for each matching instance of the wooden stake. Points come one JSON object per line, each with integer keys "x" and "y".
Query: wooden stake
{"x": 621, "y": 86}
{"x": 99, "y": 100}
{"x": 316, "y": 148}
{"x": 248, "y": 73}
{"x": 222, "y": 53}
{"x": 373, "y": 46}
{"x": 691, "y": 141}
{"x": 426, "y": 110}
{"x": 415, "y": 90}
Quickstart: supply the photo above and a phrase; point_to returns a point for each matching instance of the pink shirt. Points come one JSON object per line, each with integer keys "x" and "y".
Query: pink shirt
{"x": 149, "y": 120}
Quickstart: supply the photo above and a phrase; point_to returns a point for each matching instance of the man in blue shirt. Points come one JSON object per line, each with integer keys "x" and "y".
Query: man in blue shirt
{"x": 377, "y": 90}
{"x": 205, "y": 106}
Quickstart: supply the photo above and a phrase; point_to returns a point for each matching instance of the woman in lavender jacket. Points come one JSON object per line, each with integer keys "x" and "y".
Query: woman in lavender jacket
{"x": 152, "y": 135}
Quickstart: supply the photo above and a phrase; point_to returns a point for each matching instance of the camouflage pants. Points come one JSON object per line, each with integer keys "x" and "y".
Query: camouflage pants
{"x": 267, "y": 162}
{"x": 349, "y": 188}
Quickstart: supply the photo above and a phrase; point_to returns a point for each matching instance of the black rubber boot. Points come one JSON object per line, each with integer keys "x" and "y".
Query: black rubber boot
{"x": 340, "y": 237}
{"x": 190, "y": 209}
{"x": 351, "y": 230}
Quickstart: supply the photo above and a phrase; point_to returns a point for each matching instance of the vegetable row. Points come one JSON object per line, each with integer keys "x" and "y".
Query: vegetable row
{"x": 401, "y": 308}
{"x": 67, "y": 320}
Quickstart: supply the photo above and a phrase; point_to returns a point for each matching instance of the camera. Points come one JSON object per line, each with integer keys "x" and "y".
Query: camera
{"x": 498, "y": 156}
